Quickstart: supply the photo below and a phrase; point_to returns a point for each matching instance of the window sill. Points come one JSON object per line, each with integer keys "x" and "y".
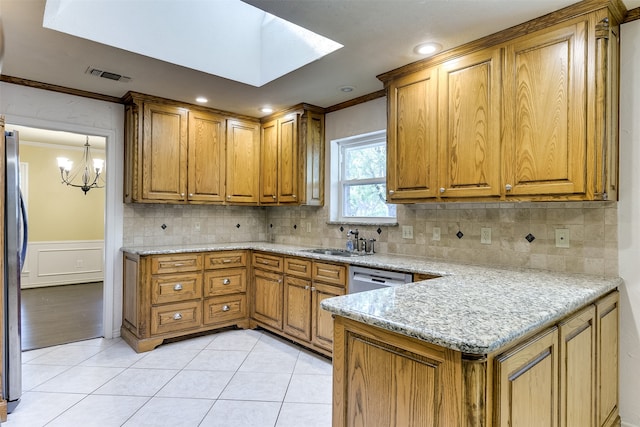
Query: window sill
{"x": 369, "y": 222}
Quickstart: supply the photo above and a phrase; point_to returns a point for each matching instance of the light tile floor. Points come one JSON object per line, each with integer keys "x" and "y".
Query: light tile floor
{"x": 239, "y": 378}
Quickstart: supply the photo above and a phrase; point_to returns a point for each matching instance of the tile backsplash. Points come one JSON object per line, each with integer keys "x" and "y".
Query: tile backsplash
{"x": 592, "y": 231}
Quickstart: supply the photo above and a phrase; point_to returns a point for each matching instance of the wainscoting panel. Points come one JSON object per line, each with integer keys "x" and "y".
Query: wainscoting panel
{"x": 63, "y": 263}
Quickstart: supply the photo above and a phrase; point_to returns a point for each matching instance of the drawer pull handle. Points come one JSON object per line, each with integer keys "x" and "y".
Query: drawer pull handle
{"x": 227, "y": 261}
{"x": 226, "y": 281}
{"x": 178, "y": 264}
{"x": 225, "y": 308}
{"x": 508, "y": 187}
{"x": 306, "y": 288}
{"x": 177, "y": 316}
{"x": 313, "y": 288}
{"x": 177, "y": 287}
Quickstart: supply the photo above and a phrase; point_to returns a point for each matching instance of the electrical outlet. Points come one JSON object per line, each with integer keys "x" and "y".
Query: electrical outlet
{"x": 436, "y": 234}
{"x": 79, "y": 263}
{"x": 407, "y": 232}
{"x": 562, "y": 238}
{"x": 196, "y": 226}
{"x": 308, "y": 227}
{"x": 485, "y": 235}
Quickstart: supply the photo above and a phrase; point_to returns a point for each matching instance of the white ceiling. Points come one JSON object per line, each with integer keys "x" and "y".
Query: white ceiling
{"x": 378, "y": 36}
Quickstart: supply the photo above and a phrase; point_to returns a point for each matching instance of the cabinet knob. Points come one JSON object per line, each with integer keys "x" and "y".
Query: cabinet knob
{"x": 177, "y": 287}
{"x": 391, "y": 191}
{"x": 226, "y": 281}
{"x": 274, "y": 197}
{"x": 177, "y": 316}
{"x": 442, "y": 190}
{"x": 181, "y": 194}
{"x": 306, "y": 288}
{"x": 313, "y": 288}
{"x": 190, "y": 194}
{"x": 294, "y": 196}
{"x": 508, "y": 187}
{"x": 225, "y": 308}
{"x": 228, "y": 197}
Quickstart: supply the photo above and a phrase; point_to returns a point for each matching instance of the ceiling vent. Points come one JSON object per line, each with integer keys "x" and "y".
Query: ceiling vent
{"x": 108, "y": 75}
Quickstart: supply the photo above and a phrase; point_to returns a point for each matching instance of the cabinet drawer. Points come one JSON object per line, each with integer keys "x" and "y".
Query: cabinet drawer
{"x": 224, "y": 282}
{"x": 175, "y": 317}
{"x": 225, "y": 259}
{"x": 225, "y": 309}
{"x": 297, "y": 267}
{"x": 176, "y": 263}
{"x": 330, "y": 273}
{"x": 175, "y": 288}
{"x": 267, "y": 262}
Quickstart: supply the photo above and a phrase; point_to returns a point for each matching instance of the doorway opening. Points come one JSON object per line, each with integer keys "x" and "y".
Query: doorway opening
{"x": 63, "y": 278}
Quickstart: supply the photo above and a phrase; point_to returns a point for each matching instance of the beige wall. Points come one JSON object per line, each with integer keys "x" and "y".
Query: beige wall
{"x": 57, "y": 212}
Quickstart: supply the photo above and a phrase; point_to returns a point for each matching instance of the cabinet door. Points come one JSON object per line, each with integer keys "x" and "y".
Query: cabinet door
{"x": 608, "y": 323}
{"x": 243, "y": 161}
{"x": 469, "y": 125}
{"x": 527, "y": 383}
{"x": 545, "y": 93}
{"x": 297, "y": 307}
{"x": 322, "y": 320}
{"x": 577, "y": 354}
{"x": 206, "y": 166}
{"x": 164, "y": 153}
{"x": 269, "y": 163}
{"x": 267, "y": 298}
{"x": 412, "y": 137}
{"x": 288, "y": 172}
{"x": 312, "y": 147}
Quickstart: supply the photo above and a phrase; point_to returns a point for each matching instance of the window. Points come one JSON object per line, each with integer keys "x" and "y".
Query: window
{"x": 361, "y": 183}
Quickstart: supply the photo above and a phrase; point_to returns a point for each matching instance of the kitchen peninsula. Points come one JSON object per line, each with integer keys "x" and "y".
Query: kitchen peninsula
{"x": 477, "y": 346}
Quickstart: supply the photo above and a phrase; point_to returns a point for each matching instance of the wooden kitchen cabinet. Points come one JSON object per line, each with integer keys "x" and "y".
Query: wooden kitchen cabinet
{"x": 225, "y": 288}
{"x": 292, "y": 157}
{"x": 179, "y": 153}
{"x": 322, "y": 320}
{"x": 529, "y": 113}
{"x": 206, "y": 160}
{"x": 412, "y": 138}
{"x": 243, "y": 162}
{"x": 469, "y": 125}
{"x": 607, "y": 360}
{"x": 577, "y": 353}
{"x": 527, "y": 383}
{"x": 167, "y": 296}
{"x": 268, "y": 290}
{"x": 563, "y": 375}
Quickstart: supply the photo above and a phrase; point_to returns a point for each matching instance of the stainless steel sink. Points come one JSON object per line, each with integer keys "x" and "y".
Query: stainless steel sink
{"x": 335, "y": 252}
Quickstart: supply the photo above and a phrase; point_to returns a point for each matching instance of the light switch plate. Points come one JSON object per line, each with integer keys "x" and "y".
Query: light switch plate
{"x": 436, "y": 234}
{"x": 562, "y": 238}
{"x": 407, "y": 232}
{"x": 485, "y": 235}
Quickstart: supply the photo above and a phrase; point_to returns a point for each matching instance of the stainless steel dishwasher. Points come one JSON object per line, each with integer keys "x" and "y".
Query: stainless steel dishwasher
{"x": 366, "y": 279}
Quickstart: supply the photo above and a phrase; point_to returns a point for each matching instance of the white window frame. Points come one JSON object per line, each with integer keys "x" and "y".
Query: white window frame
{"x": 338, "y": 172}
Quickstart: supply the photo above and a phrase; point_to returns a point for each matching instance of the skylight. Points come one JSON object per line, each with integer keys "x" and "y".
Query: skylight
{"x": 226, "y": 38}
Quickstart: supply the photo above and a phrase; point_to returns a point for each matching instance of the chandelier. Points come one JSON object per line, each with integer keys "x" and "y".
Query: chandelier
{"x": 88, "y": 171}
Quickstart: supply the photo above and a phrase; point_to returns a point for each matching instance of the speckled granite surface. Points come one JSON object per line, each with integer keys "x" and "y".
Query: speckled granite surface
{"x": 472, "y": 309}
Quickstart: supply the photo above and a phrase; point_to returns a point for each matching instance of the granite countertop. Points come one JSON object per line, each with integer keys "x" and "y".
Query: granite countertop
{"x": 472, "y": 309}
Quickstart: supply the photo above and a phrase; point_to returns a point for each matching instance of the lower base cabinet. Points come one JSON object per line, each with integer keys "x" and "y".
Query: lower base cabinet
{"x": 565, "y": 375}
{"x": 287, "y": 292}
{"x": 168, "y": 296}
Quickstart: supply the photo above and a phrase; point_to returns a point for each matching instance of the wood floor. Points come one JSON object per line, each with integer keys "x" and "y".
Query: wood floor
{"x": 60, "y": 314}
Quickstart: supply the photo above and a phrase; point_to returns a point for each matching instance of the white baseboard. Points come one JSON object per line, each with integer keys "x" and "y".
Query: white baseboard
{"x": 63, "y": 263}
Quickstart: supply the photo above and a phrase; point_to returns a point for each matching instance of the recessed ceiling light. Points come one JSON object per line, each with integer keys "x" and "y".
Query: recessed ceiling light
{"x": 201, "y": 99}
{"x": 427, "y": 48}
{"x": 346, "y": 88}
{"x": 266, "y": 110}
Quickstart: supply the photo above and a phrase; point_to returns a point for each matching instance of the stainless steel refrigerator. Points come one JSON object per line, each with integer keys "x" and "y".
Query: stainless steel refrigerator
{"x": 15, "y": 232}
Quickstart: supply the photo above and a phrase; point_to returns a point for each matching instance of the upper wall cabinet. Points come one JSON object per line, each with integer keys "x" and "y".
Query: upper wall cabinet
{"x": 175, "y": 153}
{"x": 292, "y": 157}
{"x": 526, "y": 114}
